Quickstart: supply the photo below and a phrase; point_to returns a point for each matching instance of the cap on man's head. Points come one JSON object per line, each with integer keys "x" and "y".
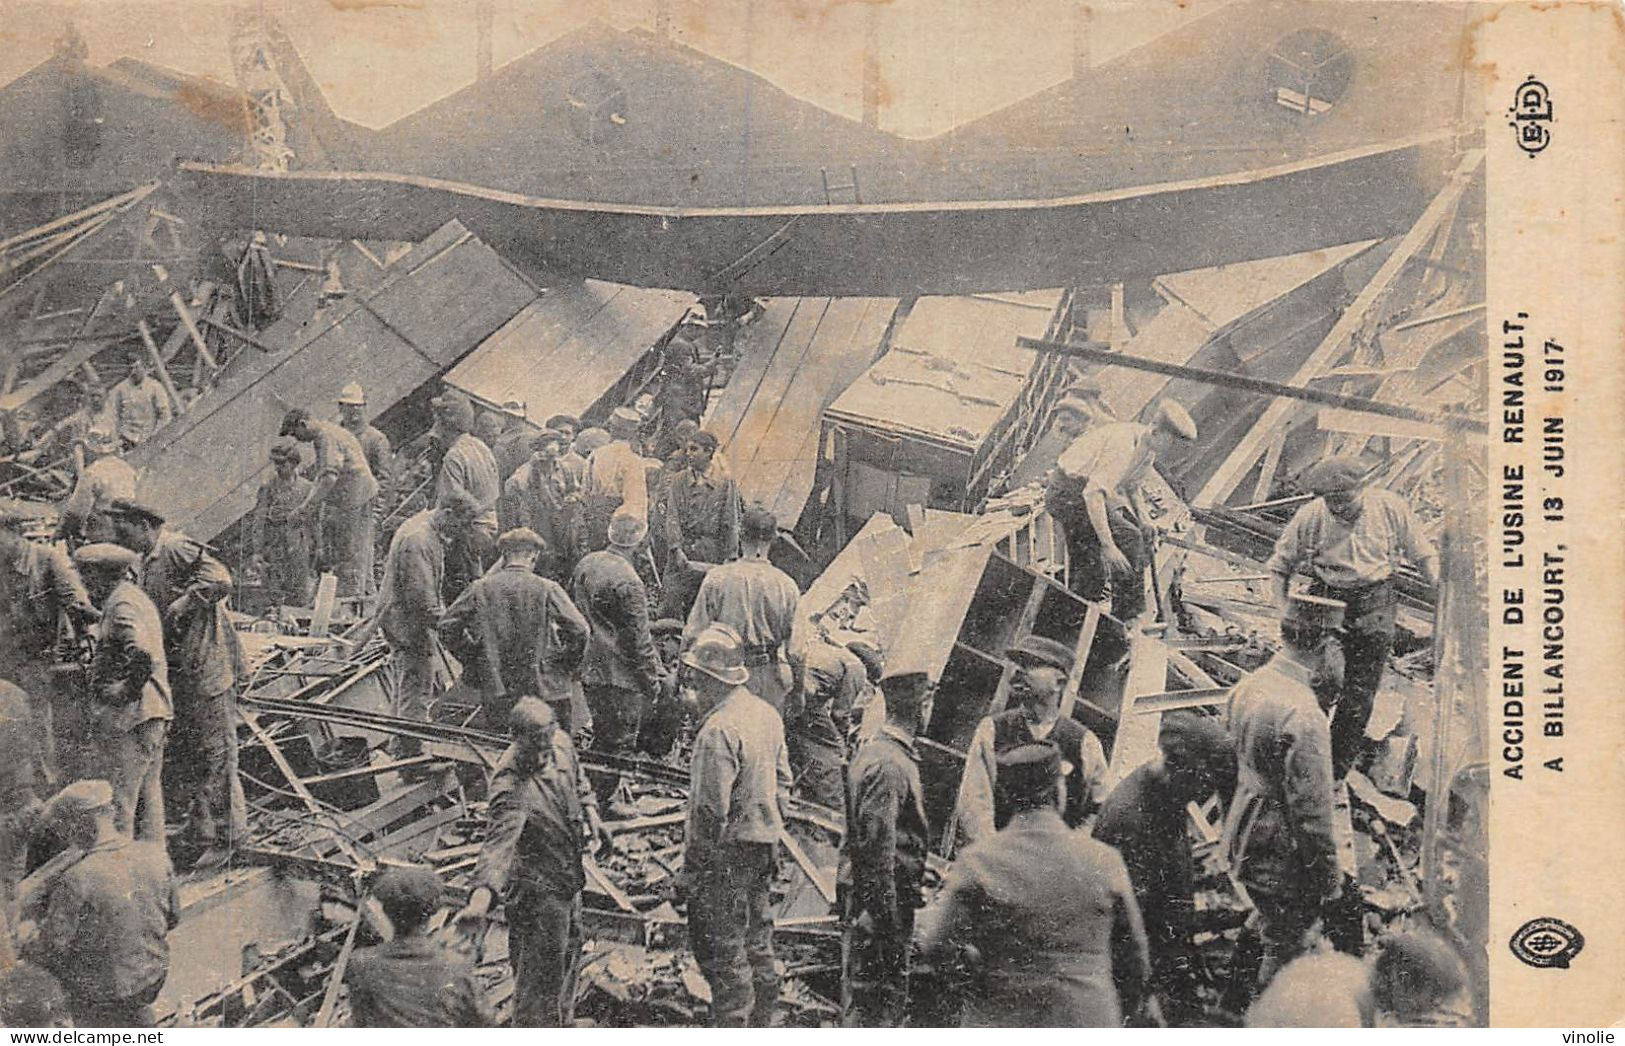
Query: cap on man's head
{"x": 286, "y": 448}
{"x": 293, "y": 421}
{"x": 1041, "y": 652}
{"x": 454, "y": 407}
{"x": 1176, "y": 419}
{"x": 130, "y": 508}
{"x": 905, "y": 688}
{"x": 873, "y": 658}
{"x": 624, "y": 422}
{"x": 686, "y": 429}
{"x": 1314, "y": 611}
{"x": 520, "y": 540}
{"x": 560, "y": 421}
{"x": 104, "y": 556}
{"x": 98, "y": 441}
{"x": 589, "y": 440}
{"x": 666, "y": 626}
{"x": 514, "y": 409}
{"x": 1341, "y": 474}
{"x": 719, "y": 653}
{"x": 413, "y": 892}
{"x": 531, "y": 715}
{"x": 1198, "y": 740}
{"x": 85, "y": 797}
{"x": 627, "y": 530}
{"x": 459, "y": 503}
{"x": 352, "y": 395}
{"x": 550, "y": 437}
{"x": 1029, "y": 771}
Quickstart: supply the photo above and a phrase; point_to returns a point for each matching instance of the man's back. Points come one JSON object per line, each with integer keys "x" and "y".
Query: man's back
{"x": 1045, "y": 904}
{"x": 1145, "y": 822}
{"x": 739, "y": 774}
{"x": 413, "y": 983}
{"x": 514, "y": 613}
{"x": 620, "y": 651}
{"x": 409, "y": 599}
{"x": 107, "y": 919}
{"x": 751, "y": 596}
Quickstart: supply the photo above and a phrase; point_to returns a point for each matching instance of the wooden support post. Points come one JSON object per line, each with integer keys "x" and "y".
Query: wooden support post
{"x": 822, "y": 881}
{"x": 161, "y": 372}
{"x": 1218, "y": 489}
{"x": 1024, "y": 626}
{"x": 335, "y": 979}
{"x": 1136, "y": 738}
{"x": 185, "y": 314}
{"x": 1119, "y": 316}
{"x": 1272, "y": 462}
{"x": 1080, "y": 657}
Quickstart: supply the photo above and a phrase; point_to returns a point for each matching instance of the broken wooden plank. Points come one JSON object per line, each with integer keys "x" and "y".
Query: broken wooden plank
{"x": 1136, "y": 739}
{"x": 160, "y": 371}
{"x": 1242, "y": 459}
{"x": 822, "y": 881}
{"x": 1080, "y": 657}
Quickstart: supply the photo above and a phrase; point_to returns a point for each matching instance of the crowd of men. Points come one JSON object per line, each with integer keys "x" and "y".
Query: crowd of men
{"x": 582, "y": 583}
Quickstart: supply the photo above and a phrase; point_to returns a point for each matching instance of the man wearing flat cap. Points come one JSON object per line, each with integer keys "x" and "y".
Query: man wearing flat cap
{"x": 1278, "y": 831}
{"x": 621, "y": 672}
{"x": 284, "y": 537}
{"x": 518, "y": 633}
{"x": 1048, "y": 912}
{"x": 1351, "y": 540}
{"x": 882, "y": 866}
{"x": 543, "y": 495}
{"x": 189, "y": 586}
{"x": 129, "y": 689}
{"x": 104, "y": 478}
{"x": 413, "y": 981}
{"x": 1144, "y": 819}
{"x": 511, "y": 447}
{"x": 542, "y": 811}
{"x": 342, "y": 499}
{"x": 40, "y": 596}
{"x": 410, "y": 604}
{"x": 616, "y": 480}
{"x": 1097, "y": 483}
{"x": 1040, "y": 668}
{"x": 739, "y": 778}
{"x": 468, "y": 467}
{"x": 104, "y": 918}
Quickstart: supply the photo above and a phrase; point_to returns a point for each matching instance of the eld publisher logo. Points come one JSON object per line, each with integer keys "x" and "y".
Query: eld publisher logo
{"x": 1531, "y": 113}
{"x": 1547, "y": 943}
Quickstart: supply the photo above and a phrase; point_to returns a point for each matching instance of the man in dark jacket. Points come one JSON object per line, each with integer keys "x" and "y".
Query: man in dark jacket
{"x": 518, "y": 633}
{"x": 1047, "y": 911}
{"x": 883, "y": 858}
{"x": 621, "y": 670}
{"x": 189, "y": 587}
{"x": 412, "y": 981}
{"x": 541, "y": 813}
{"x": 1278, "y": 831}
{"x": 816, "y": 725}
{"x": 542, "y": 494}
{"x": 1042, "y": 666}
{"x": 1145, "y": 819}
{"x": 104, "y": 919}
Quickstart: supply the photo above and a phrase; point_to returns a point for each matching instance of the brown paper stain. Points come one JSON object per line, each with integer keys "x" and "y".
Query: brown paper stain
{"x": 217, "y": 104}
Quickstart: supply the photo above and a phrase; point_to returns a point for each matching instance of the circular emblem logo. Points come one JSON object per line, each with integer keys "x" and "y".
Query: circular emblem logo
{"x": 1547, "y": 942}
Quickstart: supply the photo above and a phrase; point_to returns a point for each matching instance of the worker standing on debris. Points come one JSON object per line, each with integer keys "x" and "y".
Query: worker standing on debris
{"x": 512, "y": 446}
{"x": 883, "y": 856}
{"x": 1278, "y": 830}
{"x": 816, "y": 726}
{"x": 616, "y": 481}
{"x": 1043, "y": 914}
{"x": 410, "y": 606}
{"x": 685, "y": 384}
{"x": 1146, "y": 821}
{"x": 469, "y": 468}
{"x": 541, "y": 812}
{"x": 41, "y": 600}
{"x": 621, "y": 671}
{"x": 1352, "y": 540}
{"x": 518, "y": 633}
{"x": 190, "y": 587}
{"x": 739, "y": 777}
{"x": 702, "y": 519}
{"x": 105, "y": 477}
{"x": 129, "y": 689}
{"x": 139, "y": 406}
{"x": 283, "y": 541}
{"x": 757, "y": 600}
{"x": 1041, "y": 668}
{"x": 542, "y": 495}
{"x": 104, "y": 919}
{"x": 1096, "y": 488}
{"x": 374, "y": 444}
{"x": 413, "y": 981}
{"x": 342, "y": 498}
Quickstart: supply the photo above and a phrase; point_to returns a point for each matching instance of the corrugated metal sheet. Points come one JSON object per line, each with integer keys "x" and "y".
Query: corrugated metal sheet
{"x": 953, "y": 369}
{"x": 430, "y": 308}
{"x": 566, "y": 349}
